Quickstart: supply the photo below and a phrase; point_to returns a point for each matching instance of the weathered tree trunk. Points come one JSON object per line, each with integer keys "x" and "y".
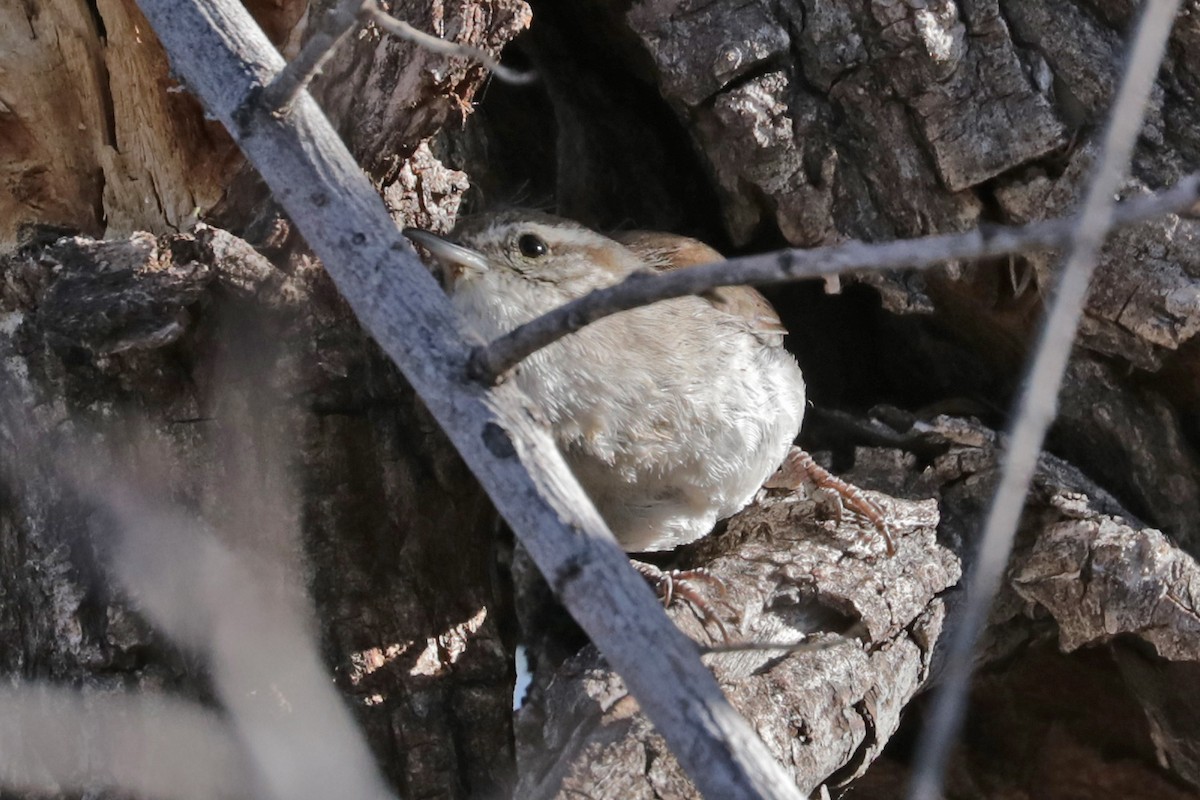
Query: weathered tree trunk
{"x": 238, "y": 367}
{"x": 749, "y": 125}
{"x": 816, "y": 122}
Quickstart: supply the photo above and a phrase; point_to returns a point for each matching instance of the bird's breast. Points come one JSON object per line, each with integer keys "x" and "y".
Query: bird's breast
{"x": 670, "y": 417}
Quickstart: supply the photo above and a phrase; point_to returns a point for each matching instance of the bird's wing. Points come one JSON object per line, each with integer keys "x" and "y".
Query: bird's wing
{"x": 667, "y": 251}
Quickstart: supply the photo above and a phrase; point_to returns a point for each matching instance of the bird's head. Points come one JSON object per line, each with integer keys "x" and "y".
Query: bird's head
{"x": 527, "y": 246}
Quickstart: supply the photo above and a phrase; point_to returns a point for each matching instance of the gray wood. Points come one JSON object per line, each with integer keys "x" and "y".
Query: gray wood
{"x": 793, "y": 574}
{"x": 1086, "y": 572}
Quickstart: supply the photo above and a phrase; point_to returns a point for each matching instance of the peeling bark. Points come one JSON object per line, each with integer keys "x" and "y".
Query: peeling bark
{"x": 868, "y": 621}
{"x": 100, "y": 138}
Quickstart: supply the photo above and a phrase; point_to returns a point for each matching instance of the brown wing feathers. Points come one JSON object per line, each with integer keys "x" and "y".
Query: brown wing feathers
{"x": 667, "y": 251}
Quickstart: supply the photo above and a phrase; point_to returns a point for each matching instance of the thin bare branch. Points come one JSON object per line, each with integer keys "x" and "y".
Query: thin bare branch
{"x": 63, "y": 740}
{"x": 1040, "y": 398}
{"x": 781, "y": 648}
{"x": 300, "y": 71}
{"x": 340, "y": 21}
{"x": 490, "y": 361}
{"x": 434, "y": 44}
{"x": 223, "y": 55}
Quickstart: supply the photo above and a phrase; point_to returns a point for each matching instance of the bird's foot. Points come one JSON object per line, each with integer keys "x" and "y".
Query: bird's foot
{"x": 682, "y": 585}
{"x": 799, "y": 467}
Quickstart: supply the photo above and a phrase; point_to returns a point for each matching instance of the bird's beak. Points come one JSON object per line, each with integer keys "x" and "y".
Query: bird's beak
{"x": 454, "y": 258}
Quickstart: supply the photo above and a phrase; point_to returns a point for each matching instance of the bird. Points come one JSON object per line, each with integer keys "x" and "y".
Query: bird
{"x": 671, "y": 416}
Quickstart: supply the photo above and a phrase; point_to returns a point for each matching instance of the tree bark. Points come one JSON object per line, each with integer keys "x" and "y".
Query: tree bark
{"x": 817, "y": 122}
{"x": 235, "y": 364}
{"x": 1084, "y": 576}
{"x": 750, "y": 125}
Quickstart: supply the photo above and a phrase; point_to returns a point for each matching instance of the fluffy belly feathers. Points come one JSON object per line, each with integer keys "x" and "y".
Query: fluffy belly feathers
{"x": 665, "y": 454}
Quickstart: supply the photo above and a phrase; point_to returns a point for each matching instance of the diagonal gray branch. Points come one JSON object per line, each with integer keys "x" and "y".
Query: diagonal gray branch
{"x": 1040, "y": 399}
{"x": 489, "y": 362}
{"x": 226, "y": 60}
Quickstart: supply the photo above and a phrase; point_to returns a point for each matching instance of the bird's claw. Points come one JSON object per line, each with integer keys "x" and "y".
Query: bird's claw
{"x": 680, "y": 584}
{"x": 800, "y": 466}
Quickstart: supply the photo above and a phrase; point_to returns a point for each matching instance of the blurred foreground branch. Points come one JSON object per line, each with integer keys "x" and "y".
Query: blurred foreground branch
{"x": 1039, "y": 400}
{"x": 55, "y": 740}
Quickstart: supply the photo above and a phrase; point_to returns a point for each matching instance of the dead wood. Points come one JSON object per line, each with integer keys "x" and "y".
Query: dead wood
{"x": 263, "y": 401}
{"x": 1086, "y": 575}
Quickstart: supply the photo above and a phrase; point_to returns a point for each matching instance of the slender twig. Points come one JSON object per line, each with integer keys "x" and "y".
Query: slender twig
{"x": 1039, "y": 400}
{"x": 490, "y": 361}
{"x": 434, "y": 44}
{"x": 340, "y": 20}
{"x": 343, "y": 18}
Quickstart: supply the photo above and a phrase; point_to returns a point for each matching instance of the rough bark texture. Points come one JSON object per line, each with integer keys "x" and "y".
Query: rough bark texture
{"x": 235, "y": 365}
{"x": 1083, "y": 576}
{"x": 98, "y": 137}
{"x": 815, "y": 122}
{"x": 749, "y": 124}
{"x": 869, "y": 623}
{"x": 257, "y": 389}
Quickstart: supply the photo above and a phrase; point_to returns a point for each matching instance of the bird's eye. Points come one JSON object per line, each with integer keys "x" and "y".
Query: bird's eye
{"x": 532, "y": 246}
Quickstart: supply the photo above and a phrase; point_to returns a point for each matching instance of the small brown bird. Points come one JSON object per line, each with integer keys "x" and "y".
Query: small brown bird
{"x": 672, "y": 415}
